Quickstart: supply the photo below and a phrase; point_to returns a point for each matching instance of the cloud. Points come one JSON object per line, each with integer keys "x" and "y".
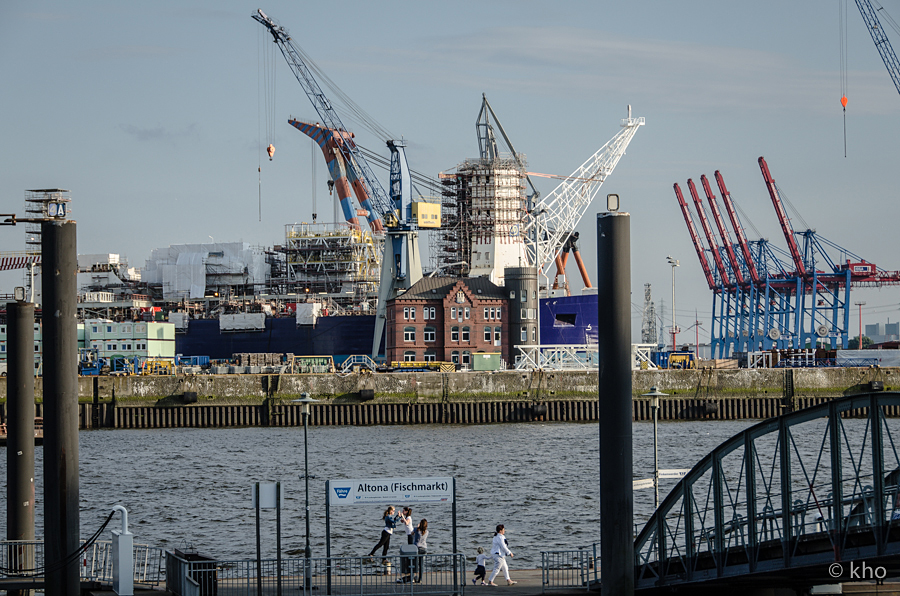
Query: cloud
{"x": 587, "y": 63}
{"x": 159, "y": 132}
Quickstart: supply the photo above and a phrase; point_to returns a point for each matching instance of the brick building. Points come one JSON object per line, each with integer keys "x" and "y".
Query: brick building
{"x": 447, "y": 319}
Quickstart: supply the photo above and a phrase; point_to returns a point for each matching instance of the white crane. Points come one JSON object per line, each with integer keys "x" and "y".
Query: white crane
{"x": 553, "y": 219}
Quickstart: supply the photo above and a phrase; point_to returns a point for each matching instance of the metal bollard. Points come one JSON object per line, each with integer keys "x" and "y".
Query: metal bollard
{"x": 123, "y": 557}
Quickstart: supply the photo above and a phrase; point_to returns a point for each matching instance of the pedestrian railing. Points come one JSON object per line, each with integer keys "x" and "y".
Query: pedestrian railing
{"x": 25, "y": 558}
{"x": 338, "y": 576}
{"x": 567, "y": 569}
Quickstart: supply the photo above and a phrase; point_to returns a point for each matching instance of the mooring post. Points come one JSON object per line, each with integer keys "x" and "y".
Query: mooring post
{"x": 614, "y": 388}
{"x": 20, "y": 433}
{"x": 60, "y": 341}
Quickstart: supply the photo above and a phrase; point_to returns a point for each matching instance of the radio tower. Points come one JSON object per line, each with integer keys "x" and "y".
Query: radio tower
{"x": 648, "y": 321}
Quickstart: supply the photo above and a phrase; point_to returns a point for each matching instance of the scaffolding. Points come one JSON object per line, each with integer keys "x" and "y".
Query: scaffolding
{"x": 331, "y": 262}
{"x": 482, "y": 211}
{"x": 37, "y": 206}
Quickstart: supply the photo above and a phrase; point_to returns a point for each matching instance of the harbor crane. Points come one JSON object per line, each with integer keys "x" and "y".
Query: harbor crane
{"x": 551, "y": 221}
{"x": 394, "y": 214}
{"x": 882, "y": 43}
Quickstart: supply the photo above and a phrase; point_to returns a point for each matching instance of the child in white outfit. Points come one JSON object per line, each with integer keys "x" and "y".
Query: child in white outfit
{"x": 479, "y": 566}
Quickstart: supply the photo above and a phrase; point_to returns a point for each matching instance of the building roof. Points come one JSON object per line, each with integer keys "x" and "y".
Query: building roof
{"x": 431, "y": 288}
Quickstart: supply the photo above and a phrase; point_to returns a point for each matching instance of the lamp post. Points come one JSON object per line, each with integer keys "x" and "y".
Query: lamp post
{"x": 654, "y": 396}
{"x": 859, "y": 345}
{"x": 304, "y": 401}
{"x": 673, "y": 263}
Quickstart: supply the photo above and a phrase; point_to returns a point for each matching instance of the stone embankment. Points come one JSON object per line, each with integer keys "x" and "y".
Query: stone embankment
{"x": 467, "y": 398}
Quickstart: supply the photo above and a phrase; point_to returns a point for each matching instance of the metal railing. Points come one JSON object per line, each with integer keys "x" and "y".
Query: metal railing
{"x": 566, "y": 569}
{"x": 95, "y": 564}
{"x": 337, "y": 576}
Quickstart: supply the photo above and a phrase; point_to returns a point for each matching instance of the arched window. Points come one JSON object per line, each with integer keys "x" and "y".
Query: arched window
{"x": 430, "y": 356}
{"x": 409, "y": 356}
{"x": 454, "y": 333}
{"x": 409, "y": 334}
{"x": 454, "y": 357}
{"x": 429, "y": 334}
{"x": 487, "y": 334}
{"x": 465, "y": 334}
{"x": 466, "y": 358}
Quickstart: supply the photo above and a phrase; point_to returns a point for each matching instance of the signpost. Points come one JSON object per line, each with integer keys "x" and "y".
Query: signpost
{"x": 387, "y": 491}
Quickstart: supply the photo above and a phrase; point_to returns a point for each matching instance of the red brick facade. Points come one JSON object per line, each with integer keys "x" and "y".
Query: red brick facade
{"x": 447, "y": 323}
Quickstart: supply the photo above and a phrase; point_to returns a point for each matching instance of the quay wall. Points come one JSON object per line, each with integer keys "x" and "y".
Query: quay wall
{"x": 467, "y": 398}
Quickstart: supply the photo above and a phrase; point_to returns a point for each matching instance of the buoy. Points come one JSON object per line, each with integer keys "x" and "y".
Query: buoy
{"x": 843, "y": 101}
{"x": 271, "y": 151}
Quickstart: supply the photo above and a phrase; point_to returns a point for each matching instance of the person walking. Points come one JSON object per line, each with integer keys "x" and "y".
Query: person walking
{"x": 390, "y": 522}
{"x": 420, "y": 539}
{"x": 406, "y": 520}
{"x": 499, "y": 552}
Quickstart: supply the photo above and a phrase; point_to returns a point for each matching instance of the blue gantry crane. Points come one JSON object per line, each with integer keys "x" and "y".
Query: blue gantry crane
{"x": 771, "y": 298}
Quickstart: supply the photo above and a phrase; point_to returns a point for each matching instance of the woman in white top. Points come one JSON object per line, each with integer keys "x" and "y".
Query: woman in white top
{"x": 499, "y": 552}
{"x": 406, "y": 520}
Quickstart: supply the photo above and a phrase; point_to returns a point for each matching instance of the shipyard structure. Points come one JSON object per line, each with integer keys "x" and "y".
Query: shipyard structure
{"x": 487, "y": 296}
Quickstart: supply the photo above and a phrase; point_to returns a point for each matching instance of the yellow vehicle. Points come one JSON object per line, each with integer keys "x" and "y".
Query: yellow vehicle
{"x": 158, "y": 367}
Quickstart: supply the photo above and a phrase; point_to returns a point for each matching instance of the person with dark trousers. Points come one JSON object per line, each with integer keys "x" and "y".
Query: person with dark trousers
{"x": 406, "y": 519}
{"x": 420, "y": 539}
{"x": 390, "y": 522}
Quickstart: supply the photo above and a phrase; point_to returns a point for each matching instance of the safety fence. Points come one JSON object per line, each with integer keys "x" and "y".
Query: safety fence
{"x": 25, "y": 559}
{"x": 191, "y": 575}
{"x": 567, "y": 569}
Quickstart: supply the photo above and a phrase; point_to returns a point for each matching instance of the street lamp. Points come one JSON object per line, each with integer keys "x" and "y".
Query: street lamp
{"x": 859, "y": 345}
{"x": 654, "y": 396}
{"x": 304, "y": 401}
{"x": 673, "y": 263}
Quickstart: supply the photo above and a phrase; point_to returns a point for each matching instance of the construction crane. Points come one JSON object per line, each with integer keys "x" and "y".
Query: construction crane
{"x": 375, "y": 201}
{"x": 738, "y": 229}
{"x": 882, "y": 44}
{"x": 707, "y": 231}
{"x": 401, "y": 264}
{"x": 551, "y": 221}
{"x": 723, "y": 231}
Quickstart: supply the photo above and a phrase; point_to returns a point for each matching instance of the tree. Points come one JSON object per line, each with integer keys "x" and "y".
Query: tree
{"x": 853, "y": 344}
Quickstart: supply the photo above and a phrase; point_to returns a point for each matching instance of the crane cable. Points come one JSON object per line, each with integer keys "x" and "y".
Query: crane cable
{"x": 842, "y": 23}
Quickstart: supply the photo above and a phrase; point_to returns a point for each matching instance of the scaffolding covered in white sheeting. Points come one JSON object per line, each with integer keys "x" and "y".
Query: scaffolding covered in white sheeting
{"x": 191, "y": 271}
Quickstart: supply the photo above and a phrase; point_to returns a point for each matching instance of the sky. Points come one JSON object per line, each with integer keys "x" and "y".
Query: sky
{"x": 156, "y": 116}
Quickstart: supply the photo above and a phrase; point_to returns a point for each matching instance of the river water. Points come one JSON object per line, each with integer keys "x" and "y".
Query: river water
{"x": 192, "y": 487}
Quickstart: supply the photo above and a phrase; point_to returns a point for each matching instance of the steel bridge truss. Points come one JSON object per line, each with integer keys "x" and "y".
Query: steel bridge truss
{"x": 782, "y": 501}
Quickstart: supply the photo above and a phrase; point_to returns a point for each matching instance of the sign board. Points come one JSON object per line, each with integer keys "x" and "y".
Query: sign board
{"x": 673, "y": 473}
{"x": 267, "y": 494}
{"x": 390, "y": 491}
{"x": 641, "y": 484}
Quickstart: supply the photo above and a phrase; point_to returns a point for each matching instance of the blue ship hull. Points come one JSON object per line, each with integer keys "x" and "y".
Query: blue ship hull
{"x": 570, "y": 320}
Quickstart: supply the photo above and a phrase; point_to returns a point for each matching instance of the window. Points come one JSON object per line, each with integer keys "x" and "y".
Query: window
{"x": 429, "y": 334}
{"x": 109, "y": 328}
{"x": 499, "y": 313}
{"x": 412, "y": 313}
{"x": 452, "y": 312}
{"x": 433, "y": 313}
{"x": 524, "y": 333}
{"x": 487, "y": 334}
{"x": 454, "y": 333}
{"x": 94, "y": 329}
{"x": 534, "y": 334}
{"x": 465, "y": 334}
{"x": 406, "y": 314}
{"x": 109, "y": 347}
{"x": 467, "y": 312}
{"x": 485, "y": 314}
{"x": 524, "y": 295}
{"x": 493, "y": 316}
{"x": 512, "y": 295}
{"x": 37, "y": 347}
{"x": 425, "y": 313}
{"x": 409, "y": 334}
{"x": 409, "y": 356}
{"x": 430, "y": 357}
{"x": 466, "y": 358}
{"x": 454, "y": 357}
